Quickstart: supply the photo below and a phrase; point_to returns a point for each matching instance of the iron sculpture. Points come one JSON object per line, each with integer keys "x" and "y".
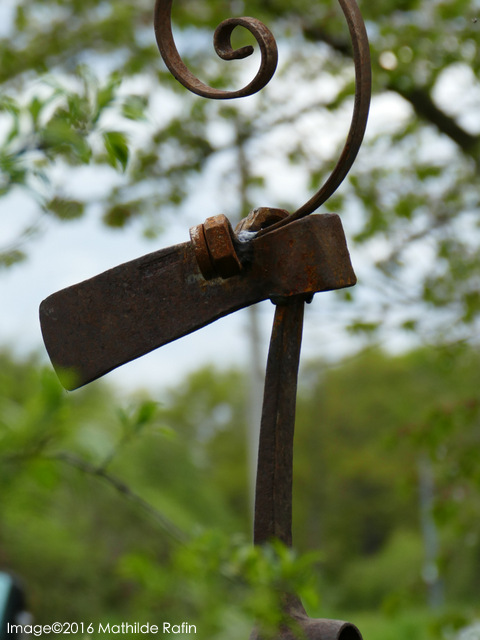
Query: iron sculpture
{"x": 106, "y": 321}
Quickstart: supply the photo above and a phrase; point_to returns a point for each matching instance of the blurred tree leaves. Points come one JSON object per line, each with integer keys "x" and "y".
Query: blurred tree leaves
{"x": 118, "y": 505}
{"x": 83, "y": 83}
{"x": 143, "y": 509}
{"x": 117, "y": 149}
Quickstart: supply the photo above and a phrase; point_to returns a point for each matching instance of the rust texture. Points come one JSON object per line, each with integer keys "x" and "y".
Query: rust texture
{"x": 219, "y": 238}
{"x": 101, "y": 323}
{"x": 299, "y": 626}
{"x": 215, "y": 244}
{"x": 223, "y": 48}
{"x": 273, "y": 492}
{"x": 273, "y": 497}
{"x": 260, "y": 218}
{"x": 363, "y": 90}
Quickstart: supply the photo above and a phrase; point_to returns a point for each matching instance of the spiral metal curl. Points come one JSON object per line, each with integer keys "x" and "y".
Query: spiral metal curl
{"x": 223, "y": 48}
{"x": 269, "y": 57}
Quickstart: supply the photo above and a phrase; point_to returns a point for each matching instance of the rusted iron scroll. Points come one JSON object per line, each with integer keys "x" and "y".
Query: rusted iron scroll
{"x": 223, "y": 48}
{"x": 269, "y": 54}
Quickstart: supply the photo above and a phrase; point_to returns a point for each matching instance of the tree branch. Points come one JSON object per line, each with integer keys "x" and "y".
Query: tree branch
{"x": 120, "y": 486}
{"x": 426, "y": 109}
{"x": 418, "y": 97}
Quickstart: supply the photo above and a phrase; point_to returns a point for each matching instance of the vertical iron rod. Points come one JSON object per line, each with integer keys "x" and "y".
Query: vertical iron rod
{"x": 273, "y": 494}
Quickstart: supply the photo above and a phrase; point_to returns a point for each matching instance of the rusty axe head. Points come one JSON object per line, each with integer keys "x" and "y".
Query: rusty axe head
{"x": 97, "y": 325}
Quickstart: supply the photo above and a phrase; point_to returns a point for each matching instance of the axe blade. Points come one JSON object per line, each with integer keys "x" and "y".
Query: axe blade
{"x": 97, "y": 325}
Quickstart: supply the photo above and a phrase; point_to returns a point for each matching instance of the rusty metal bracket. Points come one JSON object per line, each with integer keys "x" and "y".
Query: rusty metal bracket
{"x": 273, "y": 493}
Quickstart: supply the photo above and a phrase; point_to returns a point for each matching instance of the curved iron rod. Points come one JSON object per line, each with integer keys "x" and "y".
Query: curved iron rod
{"x": 223, "y": 47}
{"x": 268, "y": 48}
{"x": 363, "y": 89}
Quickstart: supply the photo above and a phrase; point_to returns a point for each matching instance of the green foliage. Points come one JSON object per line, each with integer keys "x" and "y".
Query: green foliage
{"x": 117, "y": 148}
{"x": 412, "y": 624}
{"x": 116, "y": 509}
{"x": 218, "y": 580}
{"x": 139, "y": 509}
{"x": 368, "y": 422}
{"x": 394, "y": 570}
{"x": 65, "y": 209}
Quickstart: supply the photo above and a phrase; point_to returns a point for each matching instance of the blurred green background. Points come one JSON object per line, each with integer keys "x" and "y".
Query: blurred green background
{"x": 139, "y": 509}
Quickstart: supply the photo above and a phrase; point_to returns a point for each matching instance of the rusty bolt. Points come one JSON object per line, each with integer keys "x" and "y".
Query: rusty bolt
{"x": 202, "y": 254}
{"x": 260, "y": 219}
{"x": 219, "y": 236}
{"x": 214, "y": 248}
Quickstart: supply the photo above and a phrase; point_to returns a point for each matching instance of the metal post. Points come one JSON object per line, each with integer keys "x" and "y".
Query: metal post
{"x": 273, "y": 498}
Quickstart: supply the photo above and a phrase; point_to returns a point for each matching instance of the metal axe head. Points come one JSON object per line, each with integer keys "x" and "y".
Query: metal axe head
{"x": 97, "y": 325}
